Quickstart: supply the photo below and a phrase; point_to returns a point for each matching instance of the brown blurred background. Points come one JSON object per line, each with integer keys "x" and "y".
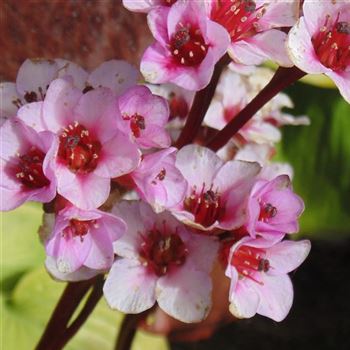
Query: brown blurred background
{"x": 86, "y": 32}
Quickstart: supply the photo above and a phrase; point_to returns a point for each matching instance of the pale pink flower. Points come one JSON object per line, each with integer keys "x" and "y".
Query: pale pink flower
{"x": 273, "y": 209}
{"x": 144, "y": 117}
{"x": 187, "y": 46}
{"x": 25, "y": 172}
{"x": 145, "y": 6}
{"x": 216, "y": 192}
{"x": 158, "y": 181}
{"x": 263, "y": 127}
{"x": 160, "y": 261}
{"x": 84, "y": 238}
{"x": 258, "y": 270}
{"x": 252, "y": 152}
{"x": 35, "y": 75}
{"x": 254, "y": 28}
{"x": 91, "y": 149}
{"x": 320, "y": 41}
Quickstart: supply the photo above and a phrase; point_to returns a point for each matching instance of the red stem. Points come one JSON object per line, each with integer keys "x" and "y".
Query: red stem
{"x": 57, "y": 325}
{"x": 282, "y": 79}
{"x": 128, "y": 329}
{"x": 200, "y": 105}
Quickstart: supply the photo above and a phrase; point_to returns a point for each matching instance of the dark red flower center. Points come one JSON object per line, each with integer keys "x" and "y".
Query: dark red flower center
{"x": 137, "y": 123}
{"x": 188, "y": 46}
{"x": 267, "y": 211}
{"x": 206, "y": 206}
{"x": 167, "y": 2}
{"x": 29, "y": 169}
{"x": 78, "y": 150}
{"x": 161, "y": 250}
{"x": 239, "y": 17}
{"x": 332, "y": 44}
{"x": 78, "y": 228}
{"x": 178, "y": 106}
{"x": 249, "y": 260}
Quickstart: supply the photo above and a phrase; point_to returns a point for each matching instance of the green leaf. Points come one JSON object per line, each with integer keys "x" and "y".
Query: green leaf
{"x": 27, "y": 309}
{"x": 320, "y": 155}
{"x": 21, "y": 249}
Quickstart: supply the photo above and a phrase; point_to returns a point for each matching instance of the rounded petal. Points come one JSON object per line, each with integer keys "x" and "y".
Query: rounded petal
{"x": 31, "y": 114}
{"x": 35, "y": 75}
{"x": 129, "y": 288}
{"x": 286, "y": 256}
{"x": 301, "y": 50}
{"x": 198, "y": 165}
{"x": 185, "y": 294}
{"x": 118, "y": 75}
{"x": 60, "y": 100}
{"x": 66, "y": 68}
{"x": 342, "y": 80}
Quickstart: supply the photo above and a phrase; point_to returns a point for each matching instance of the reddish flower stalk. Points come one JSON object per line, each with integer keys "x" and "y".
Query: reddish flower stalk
{"x": 56, "y": 334}
{"x": 200, "y": 105}
{"x": 128, "y": 329}
{"x": 281, "y": 80}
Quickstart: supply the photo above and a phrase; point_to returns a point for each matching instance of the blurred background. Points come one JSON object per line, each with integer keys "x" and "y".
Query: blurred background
{"x": 90, "y": 32}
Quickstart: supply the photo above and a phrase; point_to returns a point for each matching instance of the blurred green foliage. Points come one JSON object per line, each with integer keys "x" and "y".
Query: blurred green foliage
{"x": 320, "y": 155}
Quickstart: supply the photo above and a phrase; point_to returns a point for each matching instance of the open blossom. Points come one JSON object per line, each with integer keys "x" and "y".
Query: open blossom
{"x": 91, "y": 150}
{"x": 187, "y": 46}
{"x": 160, "y": 261}
{"x": 258, "y": 270}
{"x": 146, "y": 5}
{"x": 158, "y": 181}
{"x": 263, "y": 127}
{"x": 83, "y": 238}
{"x": 144, "y": 117}
{"x": 320, "y": 41}
{"x": 25, "y": 172}
{"x": 35, "y": 75}
{"x": 253, "y": 28}
{"x": 216, "y": 192}
{"x": 273, "y": 209}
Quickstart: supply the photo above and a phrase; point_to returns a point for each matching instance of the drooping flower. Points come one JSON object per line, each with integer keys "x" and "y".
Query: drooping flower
{"x": 25, "y": 172}
{"x": 83, "y": 238}
{"x": 254, "y": 26}
{"x": 258, "y": 270}
{"x": 160, "y": 261}
{"x": 158, "y": 181}
{"x": 187, "y": 46}
{"x": 144, "y": 117}
{"x": 146, "y": 5}
{"x": 273, "y": 209}
{"x": 91, "y": 149}
{"x": 216, "y": 192}
{"x": 320, "y": 42}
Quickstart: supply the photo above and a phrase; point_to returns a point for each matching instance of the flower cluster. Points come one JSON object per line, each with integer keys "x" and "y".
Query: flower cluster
{"x": 99, "y": 150}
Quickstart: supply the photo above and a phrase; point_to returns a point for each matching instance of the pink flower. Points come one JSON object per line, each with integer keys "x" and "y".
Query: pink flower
{"x": 91, "y": 150}
{"x": 216, "y": 192}
{"x": 263, "y": 127}
{"x": 253, "y": 28}
{"x": 35, "y": 76}
{"x": 160, "y": 261}
{"x": 144, "y": 117}
{"x": 146, "y": 5}
{"x": 84, "y": 238}
{"x": 320, "y": 41}
{"x": 273, "y": 209}
{"x": 259, "y": 276}
{"x": 187, "y": 46}
{"x": 158, "y": 181}
{"x": 25, "y": 172}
